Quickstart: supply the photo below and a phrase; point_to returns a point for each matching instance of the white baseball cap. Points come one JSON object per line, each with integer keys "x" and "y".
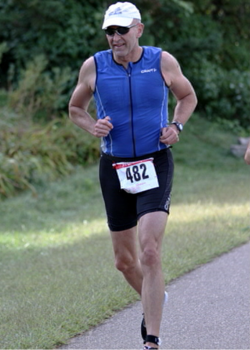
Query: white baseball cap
{"x": 120, "y": 14}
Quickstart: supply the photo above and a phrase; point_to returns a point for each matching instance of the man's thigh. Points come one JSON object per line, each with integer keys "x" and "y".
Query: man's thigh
{"x": 158, "y": 199}
{"x": 120, "y": 205}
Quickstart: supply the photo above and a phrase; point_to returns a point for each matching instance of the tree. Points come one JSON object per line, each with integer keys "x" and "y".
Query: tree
{"x": 210, "y": 39}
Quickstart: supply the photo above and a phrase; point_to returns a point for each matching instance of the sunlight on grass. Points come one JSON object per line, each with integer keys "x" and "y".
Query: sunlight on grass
{"x": 211, "y": 212}
{"x": 57, "y": 275}
{"x": 57, "y": 284}
{"x": 226, "y": 213}
{"x": 68, "y": 235}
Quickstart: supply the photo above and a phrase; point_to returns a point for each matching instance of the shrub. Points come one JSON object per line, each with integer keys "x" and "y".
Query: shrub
{"x": 39, "y": 93}
{"x": 31, "y": 153}
{"x": 223, "y": 94}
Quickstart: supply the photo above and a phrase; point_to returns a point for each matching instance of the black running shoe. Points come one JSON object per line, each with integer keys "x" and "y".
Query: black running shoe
{"x": 143, "y": 328}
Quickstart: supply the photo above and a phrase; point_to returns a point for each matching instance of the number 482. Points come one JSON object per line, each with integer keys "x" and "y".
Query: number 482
{"x": 136, "y": 173}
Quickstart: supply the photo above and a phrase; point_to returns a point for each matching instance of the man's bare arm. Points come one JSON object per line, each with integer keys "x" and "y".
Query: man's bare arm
{"x": 80, "y": 99}
{"x": 180, "y": 87}
{"x": 183, "y": 91}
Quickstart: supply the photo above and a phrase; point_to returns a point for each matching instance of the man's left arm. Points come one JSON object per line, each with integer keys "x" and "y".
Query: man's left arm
{"x": 183, "y": 92}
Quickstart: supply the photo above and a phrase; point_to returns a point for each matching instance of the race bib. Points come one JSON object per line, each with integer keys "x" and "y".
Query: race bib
{"x": 137, "y": 176}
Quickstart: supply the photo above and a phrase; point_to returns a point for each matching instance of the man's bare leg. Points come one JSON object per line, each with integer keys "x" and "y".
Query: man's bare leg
{"x": 151, "y": 231}
{"x": 126, "y": 256}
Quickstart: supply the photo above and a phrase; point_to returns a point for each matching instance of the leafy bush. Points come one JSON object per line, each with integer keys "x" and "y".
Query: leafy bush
{"x": 212, "y": 51}
{"x": 66, "y": 32}
{"x": 209, "y": 38}
{"x": 223, "y": 94}
{"x": 39, "y": 92}
{"x": 3, "y": 48}
{"x": 234, "y": 103}
{"x": 30, "y": 153}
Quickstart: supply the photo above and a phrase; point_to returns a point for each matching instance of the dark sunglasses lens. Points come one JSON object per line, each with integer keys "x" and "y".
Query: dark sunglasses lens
{"x": 109, "y": 31}
{"x": 120, "y": 30}
{"x": 123, "y": 30}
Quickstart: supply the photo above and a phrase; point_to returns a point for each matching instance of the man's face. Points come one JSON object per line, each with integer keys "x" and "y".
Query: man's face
{"x": 123, "y": 44}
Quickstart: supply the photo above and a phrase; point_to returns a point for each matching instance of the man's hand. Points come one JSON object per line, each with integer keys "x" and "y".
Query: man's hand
{"x": 247, "y": 154}
{"x": 169, "y": 135}
{"x": 103, "y": 127}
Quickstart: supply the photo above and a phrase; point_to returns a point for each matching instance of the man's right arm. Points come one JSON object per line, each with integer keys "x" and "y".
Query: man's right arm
{"x": 80, "y": 99}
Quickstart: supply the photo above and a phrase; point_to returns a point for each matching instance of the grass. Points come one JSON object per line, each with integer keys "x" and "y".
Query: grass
{"x": 57, "y": 276}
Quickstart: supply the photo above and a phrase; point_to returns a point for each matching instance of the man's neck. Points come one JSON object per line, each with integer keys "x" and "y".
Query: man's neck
{"x": 132, "y": 57}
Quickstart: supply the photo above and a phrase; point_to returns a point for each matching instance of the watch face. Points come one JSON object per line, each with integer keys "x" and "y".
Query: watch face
{"x": 178, "y": 125}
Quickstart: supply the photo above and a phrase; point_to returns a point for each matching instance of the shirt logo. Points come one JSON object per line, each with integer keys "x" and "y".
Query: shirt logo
{"x": 152, "y": 70}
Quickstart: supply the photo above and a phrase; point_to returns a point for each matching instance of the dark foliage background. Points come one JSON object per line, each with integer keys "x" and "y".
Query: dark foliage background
{"x": 209, "y": 38}
{"x": 43, "y": 44}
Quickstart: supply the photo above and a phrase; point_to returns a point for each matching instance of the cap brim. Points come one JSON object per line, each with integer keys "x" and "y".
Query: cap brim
{"x": 117, "y": 21}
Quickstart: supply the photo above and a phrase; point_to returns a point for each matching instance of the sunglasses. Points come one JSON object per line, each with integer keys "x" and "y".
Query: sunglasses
{"x": 119, "y": 30}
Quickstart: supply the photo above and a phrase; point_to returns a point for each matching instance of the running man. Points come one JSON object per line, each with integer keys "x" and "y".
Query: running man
{"x": 130, "y": 85}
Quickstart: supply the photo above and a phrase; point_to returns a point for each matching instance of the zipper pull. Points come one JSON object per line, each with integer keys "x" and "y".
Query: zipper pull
{"x": 129, "y": 70}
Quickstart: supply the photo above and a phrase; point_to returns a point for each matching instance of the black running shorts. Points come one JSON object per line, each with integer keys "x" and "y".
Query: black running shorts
{"x": 124, "y": 209}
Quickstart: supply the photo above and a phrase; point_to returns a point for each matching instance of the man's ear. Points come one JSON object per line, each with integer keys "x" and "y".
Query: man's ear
{"x": 140, "y": 30}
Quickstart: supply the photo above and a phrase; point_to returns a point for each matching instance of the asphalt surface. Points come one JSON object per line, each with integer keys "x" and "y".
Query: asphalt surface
{"x": 208, "y": 308}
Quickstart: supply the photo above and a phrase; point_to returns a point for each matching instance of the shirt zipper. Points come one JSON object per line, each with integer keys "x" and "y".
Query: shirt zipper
{"x": 129, "y": 71}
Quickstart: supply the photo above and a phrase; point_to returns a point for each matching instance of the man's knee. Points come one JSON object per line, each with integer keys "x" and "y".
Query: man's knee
{"x": 124, "y": 264}
{"x": 150, "y": 257}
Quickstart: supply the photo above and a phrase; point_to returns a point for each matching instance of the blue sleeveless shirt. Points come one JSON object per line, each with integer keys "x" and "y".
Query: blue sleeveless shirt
{"x": 135, "y": 99}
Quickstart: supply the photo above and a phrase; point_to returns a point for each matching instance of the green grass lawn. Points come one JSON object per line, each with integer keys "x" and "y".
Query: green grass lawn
{"x": 57, "y": 276}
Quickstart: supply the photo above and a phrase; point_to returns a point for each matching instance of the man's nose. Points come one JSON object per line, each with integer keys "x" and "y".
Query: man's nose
{"x": 116, "y": 36}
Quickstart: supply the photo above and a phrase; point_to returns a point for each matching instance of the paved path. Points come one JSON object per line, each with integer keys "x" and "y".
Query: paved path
{"x": 208, "y": 308}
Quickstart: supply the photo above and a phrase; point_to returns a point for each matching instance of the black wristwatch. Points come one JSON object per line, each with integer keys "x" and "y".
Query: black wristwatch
{"x": 178, "y": 125}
